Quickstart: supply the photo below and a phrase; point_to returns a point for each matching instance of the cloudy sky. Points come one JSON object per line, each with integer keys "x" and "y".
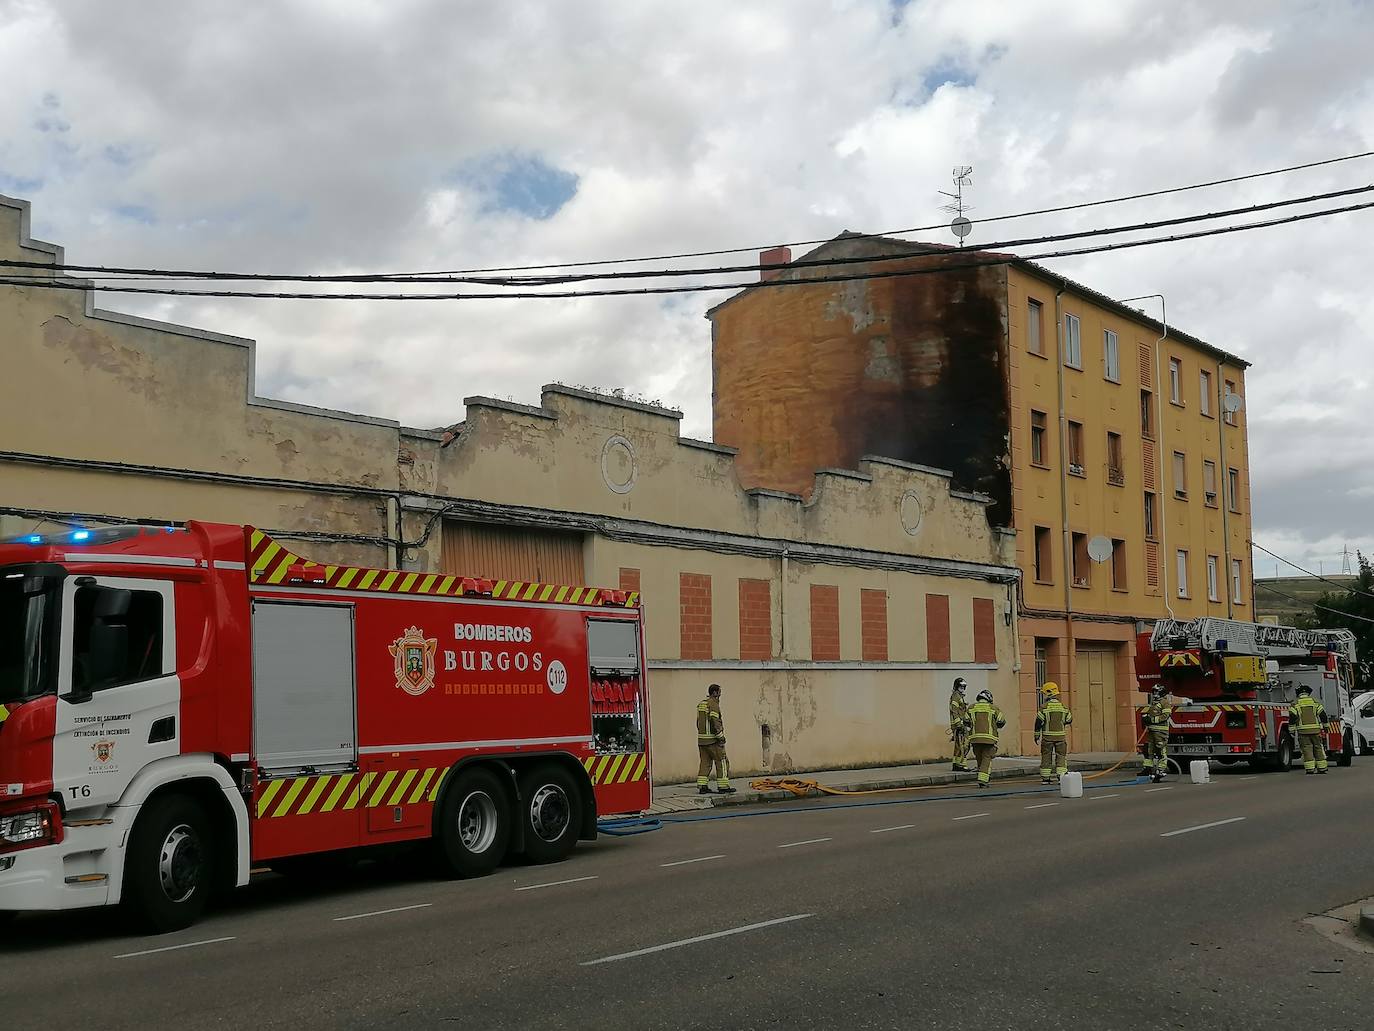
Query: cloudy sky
{"x": 405, "y": 135}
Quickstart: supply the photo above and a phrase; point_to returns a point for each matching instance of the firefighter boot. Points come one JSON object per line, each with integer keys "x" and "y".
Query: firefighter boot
{"x": 702, "y": 789}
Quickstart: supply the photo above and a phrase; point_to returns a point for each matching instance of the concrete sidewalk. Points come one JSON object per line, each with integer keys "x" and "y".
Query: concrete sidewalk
{"x": 674, "y": 798}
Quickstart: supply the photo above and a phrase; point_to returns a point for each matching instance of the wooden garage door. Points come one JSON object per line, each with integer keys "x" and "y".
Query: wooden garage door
{"x": 1094, "y": 699}
{"x": 512, "y": 553}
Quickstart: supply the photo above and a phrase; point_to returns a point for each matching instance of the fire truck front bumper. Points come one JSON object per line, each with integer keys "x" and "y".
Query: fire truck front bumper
{"x": 52, "y": 877}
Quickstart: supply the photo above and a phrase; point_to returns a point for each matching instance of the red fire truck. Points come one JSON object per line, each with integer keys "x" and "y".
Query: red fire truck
{"x": 1237, "y": 681}
{"x": 179, "y": 705}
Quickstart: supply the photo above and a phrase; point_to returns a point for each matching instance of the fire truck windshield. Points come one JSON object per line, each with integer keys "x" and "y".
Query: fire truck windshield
{"x": 28, "y": 632}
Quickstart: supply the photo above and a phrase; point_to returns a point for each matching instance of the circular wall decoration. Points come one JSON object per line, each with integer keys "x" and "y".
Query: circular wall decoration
{"x": 910, "y": 511}
{"x": 619, "y": 467}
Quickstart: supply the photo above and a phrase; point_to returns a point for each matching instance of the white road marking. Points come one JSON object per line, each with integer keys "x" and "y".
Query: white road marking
{"x": 1042, "y": 805}
{"x": 972, "y": 816}
{"x": 808, "y": 841}
{"x": 684, "y": 862}
{"x": 699, "y": 938}
{"x": 899, "y": 827}
{"x": 173, "y": 948}
{"x": 384, "y": 912}
{"x": 1151, "y": 791}
{"x": 1113, "y": 795}
{"x": 555, "y": 884}
{"x": 1203, "y": 826}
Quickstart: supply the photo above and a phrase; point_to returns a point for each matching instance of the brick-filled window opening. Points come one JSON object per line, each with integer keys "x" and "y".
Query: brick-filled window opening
{"x": 1035, "y": 326}
{"x": 1076, "y": 467}
{"x": 1044, "y": 563}
{"x": 984, "y": 630}
{"x": 825, "y": 623}
{"x": 1082, "y": 564}
{"x": 755, "y": 619}
{"x": 1038, "y": 428}
{"x": 873, "y": 625}
{"x": 1118, "y": 565}
{"x": 694, "y": 598}
{"x": 1116, "y": 472}
{"x": 937, "y": 628}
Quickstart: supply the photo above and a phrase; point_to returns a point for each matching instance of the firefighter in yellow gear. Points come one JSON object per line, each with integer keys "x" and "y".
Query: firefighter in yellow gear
{"x": 1155, "y": 756}
{"x": 1308, "y": 717}
{"x": 984, "y": 721}
{"x": 1052, "y": 734}
{"x": 711, "y": 745}
{"x": 958, "y": 723}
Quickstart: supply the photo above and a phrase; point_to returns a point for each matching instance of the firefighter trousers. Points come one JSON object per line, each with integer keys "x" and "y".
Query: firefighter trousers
{"x": 1156, "y": 756}
{"x": 1054, "y": 757}
{"x": 711, "y": 760}
{"x": 959, "y": 735}
{"x": 984, "y": 753}
{"x": 1313, "y": 752}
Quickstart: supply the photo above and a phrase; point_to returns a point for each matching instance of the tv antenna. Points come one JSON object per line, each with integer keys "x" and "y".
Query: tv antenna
{"x": 961, "y": 226}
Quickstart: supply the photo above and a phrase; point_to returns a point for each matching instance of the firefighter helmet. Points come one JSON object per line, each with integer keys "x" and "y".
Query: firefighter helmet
{"x": 985, "y": 696}
{"x": 1158, "y": 691}
{"x": 1304, "y": 689}
{"x": 960, "y": 684}
{"x": 1050, "y": 689}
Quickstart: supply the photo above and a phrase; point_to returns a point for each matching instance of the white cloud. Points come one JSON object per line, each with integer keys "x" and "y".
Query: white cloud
{"x": 325, "y": 137}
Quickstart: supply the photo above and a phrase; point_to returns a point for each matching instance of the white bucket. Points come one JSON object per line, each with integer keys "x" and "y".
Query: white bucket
{"x": 1201, "y": 770}
{"x": 1071, "y": 785}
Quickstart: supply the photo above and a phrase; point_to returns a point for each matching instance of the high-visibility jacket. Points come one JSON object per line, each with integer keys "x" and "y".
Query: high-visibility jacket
{"x": 958, "y": 709}
{"x": 985, "y": 720}
{"x": 1157, "y": 715}
{"x": 1052, "y": 721}
{"x": 1307, "y": 715}
{"x": 710, "y": 725}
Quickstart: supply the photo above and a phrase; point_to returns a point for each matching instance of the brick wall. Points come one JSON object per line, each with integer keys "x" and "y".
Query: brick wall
{"x": 825, "y": 623}
{"x": 937, "y": 627}
{"x": 629, "y": 579}
{"x": 873, "y": 625}
{"x": 755, "y": 619}
{"x": 694, "y": 598}
{"x": 984, "y": 631}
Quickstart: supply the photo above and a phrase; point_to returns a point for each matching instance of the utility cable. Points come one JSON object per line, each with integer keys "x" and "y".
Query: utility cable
{"x": 1002, "y": 259}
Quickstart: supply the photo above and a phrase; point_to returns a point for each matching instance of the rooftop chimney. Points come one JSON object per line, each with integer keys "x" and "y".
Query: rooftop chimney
{"x": 773, "y": 256}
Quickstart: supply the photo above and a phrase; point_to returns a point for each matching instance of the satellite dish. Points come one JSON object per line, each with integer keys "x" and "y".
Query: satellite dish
{"x": 1233, "y": 403}
{"x": 1100, "y": 549}
{"x": 961, "y": 227}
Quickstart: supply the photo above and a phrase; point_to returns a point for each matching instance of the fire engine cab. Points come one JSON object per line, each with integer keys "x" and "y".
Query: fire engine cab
{"x": 1237, "y": 680}
{"x": 181, "y": 704}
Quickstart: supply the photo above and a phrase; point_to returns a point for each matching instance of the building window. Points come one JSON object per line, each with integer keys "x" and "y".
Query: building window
{"x": 1111, "y": 356}
{"x": 1116, "y": 474}
{"x": 1205, "y": 392}
{"x": 1147, "y": 415}
{"x": 1230, "y": 417}
{"x": 1039, "y": 424}
{"x": 1073, "y": 344}
{"x": 1182, "y": 573}
{"x": 1180, "y": 475}
{"x": 1082, "y": 564}
{"x": 1212, "y": 579}
{"x": 1044, "y": 556}
{"x": 1237, "y": 582}
{"x": 1233, "y": 489}
{"x": 1042, "y": 663}
{"x": 1076, "y": 449}
{"x": 1209, "y": 483}
{"x": 1118, "y": 565}
{"x": 1149, "y": 516}
{"x": 1175, "y": 381}
{"x": 1035, "y": 323}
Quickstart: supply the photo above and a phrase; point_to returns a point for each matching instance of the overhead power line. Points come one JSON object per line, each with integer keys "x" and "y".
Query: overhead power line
{"x": 1315, "y": 576}
{"x": 63, "y": 284}
{"x": 531, "y": 281}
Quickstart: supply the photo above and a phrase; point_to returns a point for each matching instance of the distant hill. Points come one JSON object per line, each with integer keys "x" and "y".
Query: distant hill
{"x": 1301, "y": 591}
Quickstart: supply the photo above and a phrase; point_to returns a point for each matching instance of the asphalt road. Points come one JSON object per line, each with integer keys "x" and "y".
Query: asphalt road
{"x": 986, "y": 911}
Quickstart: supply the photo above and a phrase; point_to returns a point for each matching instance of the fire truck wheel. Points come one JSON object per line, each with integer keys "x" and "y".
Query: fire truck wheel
{"x": 168, "y": 874}
{"x": 551, "y": 809}
{"x": 1284, "y": 763}
{"x": 474, "y": 824}
{"x": 1347, "y": 755}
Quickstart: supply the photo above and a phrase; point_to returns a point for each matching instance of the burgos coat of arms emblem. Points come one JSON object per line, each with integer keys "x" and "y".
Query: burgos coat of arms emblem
{"x": 414, "y": 655}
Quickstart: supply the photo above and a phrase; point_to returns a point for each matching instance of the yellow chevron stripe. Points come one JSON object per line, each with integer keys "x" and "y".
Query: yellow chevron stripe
{"x": 589, "y": 762}
{"x": 531, "y": 591}
{"x": 385, "y": 783}
{"x": 289, "y": 797}
{"x": 268, "y": 794}
{"x": 369, "y": 578}
{"x": 447, "y": 585}
{"x": 546, "y": 593}
{"x": 315, "y": 792}
{"x": 401, "y": 788}
{"x": 388, "y": 580}
{"x": 407, "y": 582}
{"x": 255, "y": 539}
{"x": 424, "y": 783}
{"x": 428, "y": 582}
{"x": 359, "y": 791}
{"x": 438, "y": 783}
{"x": 265, "y": 559}
{"x": 616, "y": 763}
{"x": 499, "y": 591}
{"x": 337, "y": 793}
{"x": 284, "y": 565}
{"x": 643, "y": 768}
{"x": 349, "y": 575}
